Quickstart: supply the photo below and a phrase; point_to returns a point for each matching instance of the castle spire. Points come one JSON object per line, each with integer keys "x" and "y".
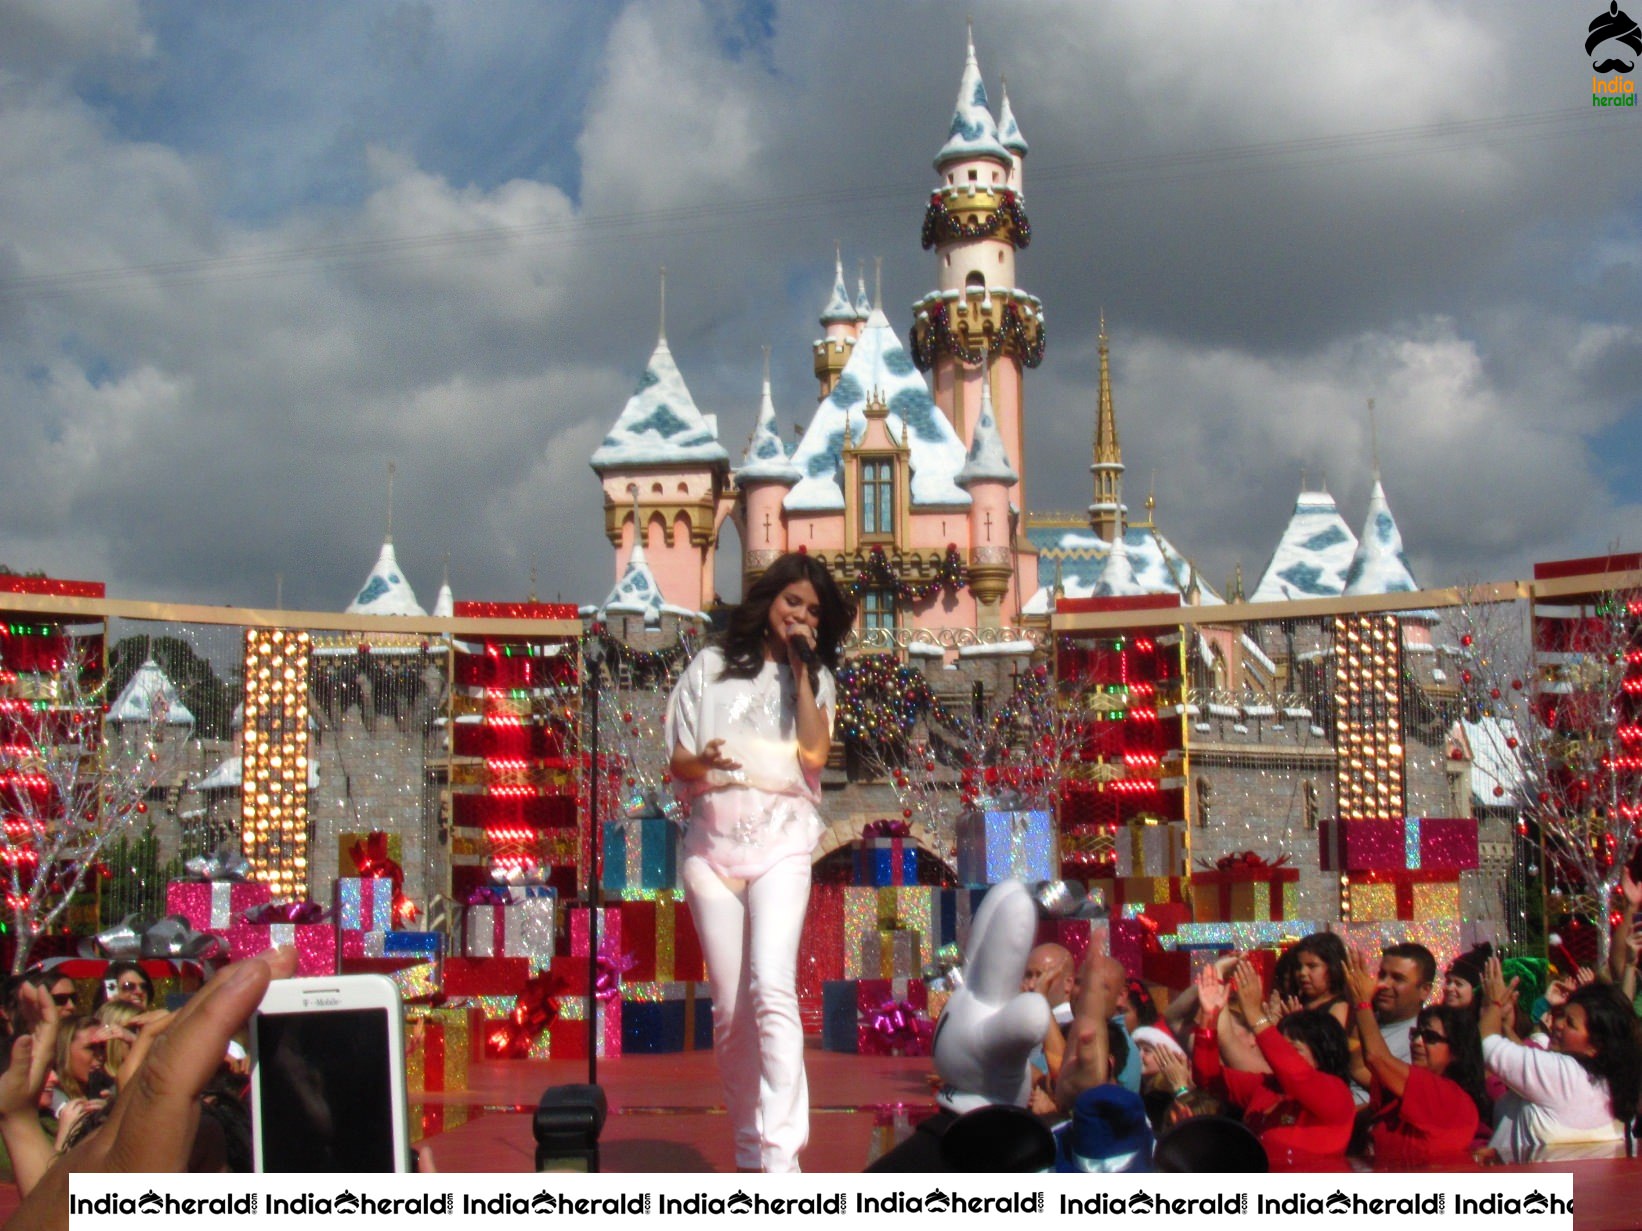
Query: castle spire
{"x": 1106, "y": 513}
{"x": 974, "y": 133}
{"x": 839, "y": 310}
{"x": 661, "y": 331}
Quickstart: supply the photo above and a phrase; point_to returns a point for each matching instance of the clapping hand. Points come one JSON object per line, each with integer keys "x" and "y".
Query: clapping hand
{"x": 1212, "y": 994}
{"x": 1250, "y": 995}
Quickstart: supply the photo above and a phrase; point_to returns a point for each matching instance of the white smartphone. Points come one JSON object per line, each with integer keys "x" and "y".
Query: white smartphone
{"x": 328, "y": 1076}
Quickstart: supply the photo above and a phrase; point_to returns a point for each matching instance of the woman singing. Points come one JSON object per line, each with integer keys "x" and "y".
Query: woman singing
{"x": 750, "y": 726}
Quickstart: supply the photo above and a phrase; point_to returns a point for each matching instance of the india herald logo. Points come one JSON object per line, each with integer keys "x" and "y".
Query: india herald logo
{"x": 1613, "y": 26}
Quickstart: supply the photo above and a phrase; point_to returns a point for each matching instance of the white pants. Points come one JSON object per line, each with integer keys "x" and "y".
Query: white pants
{"x": 749, "y": 933}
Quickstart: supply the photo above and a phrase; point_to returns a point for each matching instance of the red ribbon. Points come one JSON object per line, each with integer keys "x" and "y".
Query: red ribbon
{"x": 373, "y": 862}
{"x": 534, "y": 1010}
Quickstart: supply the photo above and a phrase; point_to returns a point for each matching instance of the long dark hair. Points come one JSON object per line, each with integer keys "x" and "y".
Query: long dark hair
{"x": 1324, "y": 1037}
{"x": 743, "y": 638}
{"x": 1616, "y": 1035}
{"x": 1464, "y": 1052}
{"x": 1328, "y": 949}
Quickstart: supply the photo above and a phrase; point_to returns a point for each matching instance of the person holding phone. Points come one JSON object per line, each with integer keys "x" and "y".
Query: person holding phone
{"x": 750, "y": 727}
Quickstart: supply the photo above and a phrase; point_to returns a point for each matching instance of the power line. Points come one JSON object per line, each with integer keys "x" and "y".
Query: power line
{"x": 1256, "y": 158}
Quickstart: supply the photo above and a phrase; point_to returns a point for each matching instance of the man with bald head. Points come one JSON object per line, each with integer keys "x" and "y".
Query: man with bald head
{"x": 1107, "y": 985}
{"x": 1049, "y": 973}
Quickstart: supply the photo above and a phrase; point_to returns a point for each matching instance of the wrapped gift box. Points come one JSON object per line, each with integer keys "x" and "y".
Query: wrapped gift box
{"x": 520, "y": 928}
{"x": 566, "y": 1038}
{"x": 1245, "y": 894}
{"x": 1157, "y": 850}
{"x": 886, "y": 861}
{"x": 846, "y": 1002}
{"x": 440, "y": 1043}
{"x": 950, "y": 914}
{"x": 658, "y": 936}
{"x": 214, "y": 906}
{"x": 1000, "y": 846}
{"x": 639, "y": 854}
{"x": 411, "y": 946}
{"x": 877, "y": 1002}
{"x": 1431, "y": 844}
{"x": 315, "y": 943}
{"x": 491, "y": 976}
{"x": 351, "y": 847}
{"x": 364, "y": 905}
{"x": 1142, "y": 891}
{"x": 660, "y": 1018}
{"x": 889, "y": 953}
{"x": 1416, "y": 897}
{"x": 1073, "y": 935}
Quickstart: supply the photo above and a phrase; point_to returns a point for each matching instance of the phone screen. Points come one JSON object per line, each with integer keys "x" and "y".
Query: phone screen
{"x": 324, "y": 1101}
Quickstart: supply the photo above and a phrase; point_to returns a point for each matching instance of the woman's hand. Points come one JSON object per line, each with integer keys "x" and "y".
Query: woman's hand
{"x": 1279, "y": 1006}
{"x": 1211, "y": 996}
{"x": 73, "y": 1111}
{"x": 1173, "y": 1067}
{"x": 1499, "y": 1000}
{"x": 1250, "y": 995}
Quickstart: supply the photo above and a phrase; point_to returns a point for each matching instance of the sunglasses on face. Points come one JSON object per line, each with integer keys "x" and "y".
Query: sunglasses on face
{"x": 1431, "y": 1037}
{"x": 64, "y": 999}
{"x": 133, "y": 987}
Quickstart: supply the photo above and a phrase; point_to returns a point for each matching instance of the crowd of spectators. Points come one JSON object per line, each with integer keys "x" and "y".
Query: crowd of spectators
{"x": 1334, "y": 1060}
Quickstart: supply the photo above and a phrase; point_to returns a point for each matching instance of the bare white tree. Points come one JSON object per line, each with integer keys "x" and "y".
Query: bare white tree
{"x": 68, "y": 790}
{"x": 1571, "y": 707}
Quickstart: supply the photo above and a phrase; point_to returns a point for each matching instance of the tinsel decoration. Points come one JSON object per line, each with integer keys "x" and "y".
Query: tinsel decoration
{"x": 941, "y": 225}
{"x": 877, "y": 573}
{"x": 1011, "y": 336}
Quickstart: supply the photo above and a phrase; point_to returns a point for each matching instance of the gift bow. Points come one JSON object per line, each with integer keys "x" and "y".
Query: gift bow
{"x": 609, "y": 969}
{"x": 895, "y": 1026}
{"x": 226, "y": 863}
{"x": 171, "y": 937}
{"x": 270, "y": 913}
{"x": 1245, "y": 859}
{"x": 887, "y": 829}
{"x": 373, "y": 862}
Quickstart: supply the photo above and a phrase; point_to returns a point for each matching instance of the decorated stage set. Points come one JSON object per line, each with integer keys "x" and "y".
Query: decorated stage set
{"x": 505, "y": 961}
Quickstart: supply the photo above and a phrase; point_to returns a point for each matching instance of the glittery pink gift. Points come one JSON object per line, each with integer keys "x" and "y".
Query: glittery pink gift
{"x": 315, "y": 943}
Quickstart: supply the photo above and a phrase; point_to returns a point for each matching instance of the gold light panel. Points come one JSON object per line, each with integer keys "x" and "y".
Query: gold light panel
{"x": 274, "y": 783}
{"x": 1368, "y": 717}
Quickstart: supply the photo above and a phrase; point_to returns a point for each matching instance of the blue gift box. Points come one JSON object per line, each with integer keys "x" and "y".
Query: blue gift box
{"x": 839, "y": 1015}
{"x": 640, "y": 854}
{"x": 413, "y": 944}
{"x": 950, "y": 914}
{"x": 999, "y": 846}
{"x": 886, "y": 861}
{"x": 660, "y": 1018}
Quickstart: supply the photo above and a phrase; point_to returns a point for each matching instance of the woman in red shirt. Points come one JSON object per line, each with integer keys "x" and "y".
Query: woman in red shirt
{"x": 1302, "y": 1110}
{"x": 1428, "y": 1110}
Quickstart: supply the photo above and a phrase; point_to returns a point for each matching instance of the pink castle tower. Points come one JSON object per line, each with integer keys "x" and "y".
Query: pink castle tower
{"x": 975, "y": 222}
{"x": 987, "y": 476}
{"x": 666, "y": 477}
{"x": 763, "y": 480}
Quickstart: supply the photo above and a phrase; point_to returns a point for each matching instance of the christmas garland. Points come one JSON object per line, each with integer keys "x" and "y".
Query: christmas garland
{"x": 879, "y": 574}
{"x": 939, "y": 337}
{"x": 939, "y": 222}
{"x": 879, "y": 699}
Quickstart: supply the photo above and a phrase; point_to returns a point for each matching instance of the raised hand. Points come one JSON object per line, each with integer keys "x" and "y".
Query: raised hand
{"x": 1360, "y": 980}
{"x": 1212, "y": 995}
{"x": 1249, "y": 992}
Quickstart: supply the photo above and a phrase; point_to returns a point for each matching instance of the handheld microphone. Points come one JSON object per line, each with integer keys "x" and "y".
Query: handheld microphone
{"x": 804, "y": 650}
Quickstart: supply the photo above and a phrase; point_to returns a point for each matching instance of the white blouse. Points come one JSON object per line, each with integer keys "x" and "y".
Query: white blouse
{"x": 742, "y": 821}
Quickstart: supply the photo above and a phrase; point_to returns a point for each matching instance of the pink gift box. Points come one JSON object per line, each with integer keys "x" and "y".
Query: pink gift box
{"x": 1416, "y": 844}
{"x": 315, "y": 943}
{"x": 214, "y": 906}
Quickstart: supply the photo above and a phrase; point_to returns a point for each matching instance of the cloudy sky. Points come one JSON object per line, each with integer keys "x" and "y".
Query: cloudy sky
{"x": 251, "y": 253}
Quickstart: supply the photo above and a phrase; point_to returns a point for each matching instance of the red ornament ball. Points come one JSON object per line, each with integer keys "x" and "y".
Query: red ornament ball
{"x": 907, "y": 812}
{"x": 1466, "y": 639}
{"x": 1498, "y": 791}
